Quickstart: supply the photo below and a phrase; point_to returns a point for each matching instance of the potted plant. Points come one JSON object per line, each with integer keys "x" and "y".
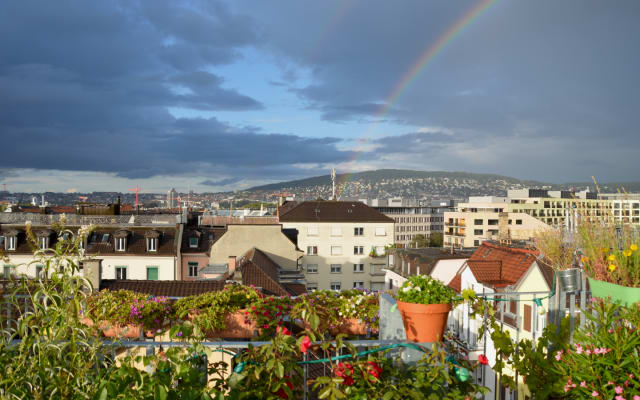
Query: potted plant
{"x": 221, "y": 314}
{"x": 611, "y": 260}
{"x": 269, "y": 313}
{"x": 374, "y": 254}
{"x": 110, "y": 311}
{"x": 316, "y": 310}
{"x": 424, "y": 304}
{"x": 152, "y": 313}
{"x": 560, "y": 249}
{"x": 358, "y": 311}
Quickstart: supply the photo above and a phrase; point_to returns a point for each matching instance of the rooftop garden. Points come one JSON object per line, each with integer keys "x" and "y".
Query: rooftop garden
{"x": 56, "y": 347}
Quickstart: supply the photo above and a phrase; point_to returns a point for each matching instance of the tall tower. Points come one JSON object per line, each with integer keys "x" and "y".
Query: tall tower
{"x": 333, "y": 183}
{"x": 171, "y": 198}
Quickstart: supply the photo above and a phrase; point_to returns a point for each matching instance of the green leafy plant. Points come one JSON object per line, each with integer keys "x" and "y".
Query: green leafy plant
{"x": 113, "y": 307}
{"x": 422, "y": 289}
{"x": 603, "y": 360}
{"x": 208, "y": 310}
{"x": 360, "y": 304}
{"x": 269, "y": 312}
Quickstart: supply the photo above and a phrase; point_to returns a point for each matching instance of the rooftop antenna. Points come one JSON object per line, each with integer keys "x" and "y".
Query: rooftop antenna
{"x": 333, "y": 183}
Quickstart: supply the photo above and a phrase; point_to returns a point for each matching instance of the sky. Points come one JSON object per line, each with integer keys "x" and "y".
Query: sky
{"x": 223, "y": 95}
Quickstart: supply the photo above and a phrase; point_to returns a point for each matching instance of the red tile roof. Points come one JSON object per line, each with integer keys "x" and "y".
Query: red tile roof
{"x": 456, "y": 283}
{"x": 164, "y": 288}
{"x": 332, "y": 211}
{"x": 261, "y": 271}
{"x": 498, "y": 265}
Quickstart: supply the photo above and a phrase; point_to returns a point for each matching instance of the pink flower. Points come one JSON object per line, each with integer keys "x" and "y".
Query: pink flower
{"x": 305, "y": 344}
{"x": 609, "y": 383}
{"x": 618, "y": 389}
{"x": 579, "y": 348}
{"x": 559, "y": 355}
{"x": 636, "y": 397}
{"x": 587, "y": 352}
{"x": 583, "y": 384}
{"x": 595, "y": 394}
{"x": 618, "y": 397}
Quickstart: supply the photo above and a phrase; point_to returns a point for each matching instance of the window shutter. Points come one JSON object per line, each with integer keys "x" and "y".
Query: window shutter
{"x": 513, "y": 307}
{"x": 527, "y": 318}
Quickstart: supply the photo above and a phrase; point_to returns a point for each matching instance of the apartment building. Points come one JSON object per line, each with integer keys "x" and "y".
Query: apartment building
{"x": 413, "y": 216}
{"x": 145, "y": 247}
{"x": 344, "y": 243}
{"x": 525, "y": 211}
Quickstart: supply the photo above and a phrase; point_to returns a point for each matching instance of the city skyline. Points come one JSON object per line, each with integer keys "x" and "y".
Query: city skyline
{"x": 228, "y": 95}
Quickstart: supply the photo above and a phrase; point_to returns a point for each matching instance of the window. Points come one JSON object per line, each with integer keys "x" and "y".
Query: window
{"x": 518, "y": 222}
{"x": 121, "y": 273}
{"x": 380, "y": 251}
{"x": 152, "y": 244}
{"x": 377, "y": 268}
{"x": 42, "y": 243}
{"x": 358, "y": 267}
{"x": 526, "y": 318}
{"x": 312, "y": 268}
{"x": 193, "y": 269}
{"x": 121, "y": 244}
{"x": 381, "y": 231}
{"x": 478, "y": 232}
{"x": 312, "y": 230}
{"x": 312, "y": 250}
{"x": 358, "y": 231}
{"x": 493, "y": 222}
{"x": 336, "y": 285}
{"x": 476, "y": 243}
{"x": 193, "y": 242}
{"x": 478, "y": 222}
{"x": 358, "y": 285}
{"x": 358, "y": 250}
{"x": 39, "y": 271}
{"x": 10, "y": 243}
{"x": 513, "y": 307}
{"x": 105, "y": 238}
{"x": 336, "y": 268}
{"x": 336, "y": 231}
{"x": 152, "y": 273}
{"x": 7, "y": 271}
{"x": 336, "y": 250}
{"x": 311, "y": 286}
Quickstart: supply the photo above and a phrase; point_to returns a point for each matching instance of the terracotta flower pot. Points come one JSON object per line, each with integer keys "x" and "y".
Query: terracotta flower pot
{"x": 235, "y": 327}
{"x": 128, "y": 331}
{"x": 350, "y": 326}
{"x": 424, "y": 323}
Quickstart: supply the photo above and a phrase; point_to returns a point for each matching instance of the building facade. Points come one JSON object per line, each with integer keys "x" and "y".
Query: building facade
{"x": 413, "y": 217}
{"x": 344, "y": 243}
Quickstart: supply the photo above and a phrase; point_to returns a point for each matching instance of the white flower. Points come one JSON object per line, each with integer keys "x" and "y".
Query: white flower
{"x": 418, "y": 288}
{"x": 406, "y": 289}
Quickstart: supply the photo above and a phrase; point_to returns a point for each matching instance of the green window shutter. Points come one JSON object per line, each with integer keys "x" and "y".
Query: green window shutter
{"x": 152, "y": 273}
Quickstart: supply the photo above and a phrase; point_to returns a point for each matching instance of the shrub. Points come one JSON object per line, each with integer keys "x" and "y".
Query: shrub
{"x": 422, "y": 289}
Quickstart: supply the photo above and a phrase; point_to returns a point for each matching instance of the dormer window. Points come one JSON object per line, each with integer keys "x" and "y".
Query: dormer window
{"x": 152, "y": 244}
{"x": 193, "y": 242}
{"x": 121, "y": 243}
{"x": 10, "y": 243}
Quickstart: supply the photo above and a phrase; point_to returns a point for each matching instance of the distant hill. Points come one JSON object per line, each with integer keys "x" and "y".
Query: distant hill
{"x": 386, "y": 183}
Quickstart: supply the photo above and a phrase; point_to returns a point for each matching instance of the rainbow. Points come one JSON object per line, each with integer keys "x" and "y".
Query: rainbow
{"x": 419, "y": 66}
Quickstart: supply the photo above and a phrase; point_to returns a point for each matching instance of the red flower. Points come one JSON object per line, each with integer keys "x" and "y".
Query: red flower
{"x": 266, "y": 326}
{"x": 283, "y": 330}
{"x": 266, "y": 313}
{"x": 305, "y": 344}
{"x": 281, "y": 393}
{"x": 482, "y": 359}
{"x": 253, "y": 308}
{"x": 374, "y": 369}
{"x": 344, "y": 371}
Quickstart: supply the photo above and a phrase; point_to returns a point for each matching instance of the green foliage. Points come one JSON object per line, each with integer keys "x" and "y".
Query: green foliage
{"x": 422, "y": 289}
{"x": 419, "y": 241}
{"x": 208, "y": 310}
{"x": 604, "y": 355}
{"x": 269, "y": 312}
{"x": 113, "y": 306}
{"x": 382, "y": 377}
{"x": 436, "y": 239}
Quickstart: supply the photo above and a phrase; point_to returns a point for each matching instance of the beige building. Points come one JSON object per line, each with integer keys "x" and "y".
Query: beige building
{"x": 344, "y": 243}
{"x": 525, "y": 211}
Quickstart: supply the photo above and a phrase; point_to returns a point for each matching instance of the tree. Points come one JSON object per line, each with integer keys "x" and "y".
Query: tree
{"x": 419, "y": 241}
{"x": 435, "y": 239}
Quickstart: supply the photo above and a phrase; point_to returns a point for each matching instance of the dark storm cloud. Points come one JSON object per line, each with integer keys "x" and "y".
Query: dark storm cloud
{"x": 87, "y": 86}
{"x": 562, "y": 72}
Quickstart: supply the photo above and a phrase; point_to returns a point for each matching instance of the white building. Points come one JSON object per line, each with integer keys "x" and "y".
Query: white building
{"x": 344, "y": 243}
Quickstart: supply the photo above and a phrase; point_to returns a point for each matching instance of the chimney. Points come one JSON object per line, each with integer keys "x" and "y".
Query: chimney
{"x": 92, "y": 270}
{"x": 231, "y": 266}
{"x": 503, "y": 227}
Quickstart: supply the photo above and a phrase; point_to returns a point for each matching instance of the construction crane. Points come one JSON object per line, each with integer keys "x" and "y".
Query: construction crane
{"x": 137, "y": 190}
